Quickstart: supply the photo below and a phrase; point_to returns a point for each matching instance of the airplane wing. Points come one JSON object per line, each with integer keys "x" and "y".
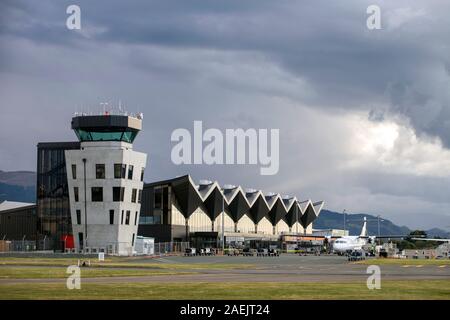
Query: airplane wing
{"x": 430, "y": 239}
{"x": 388, "y": 236}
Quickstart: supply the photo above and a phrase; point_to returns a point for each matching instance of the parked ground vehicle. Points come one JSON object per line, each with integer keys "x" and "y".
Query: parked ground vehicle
{"x": 357, "y": 255}
{"x": 247, "y": 252}
{"x": 189, "y": 252}
{"x": 262, "y": 252}
{"x": 274, "y": 253}
{"x": 233, "y": 252}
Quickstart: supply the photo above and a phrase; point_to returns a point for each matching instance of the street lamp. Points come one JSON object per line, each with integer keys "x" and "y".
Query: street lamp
{"x": 343, "y": 212}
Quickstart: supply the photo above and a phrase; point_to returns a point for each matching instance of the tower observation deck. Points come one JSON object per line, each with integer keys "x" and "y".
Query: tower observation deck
{"x": 106, "y": 127}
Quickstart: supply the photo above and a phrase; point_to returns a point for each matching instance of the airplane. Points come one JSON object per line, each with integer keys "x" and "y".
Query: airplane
{"x": 346, "y": 244}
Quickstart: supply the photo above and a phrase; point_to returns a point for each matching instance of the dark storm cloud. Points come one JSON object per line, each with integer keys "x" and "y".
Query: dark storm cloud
{"x": 230, "y": 64}
{"x": 326, "y": 43}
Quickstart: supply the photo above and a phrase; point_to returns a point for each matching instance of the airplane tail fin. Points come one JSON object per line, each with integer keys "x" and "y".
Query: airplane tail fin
{"x": 364, "y": 228}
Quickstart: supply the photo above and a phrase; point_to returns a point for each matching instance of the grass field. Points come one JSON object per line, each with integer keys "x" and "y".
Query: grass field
{"x": 413, "y": 262}
{"x": 116, "y": 263}
{"x": 421, "y": 289}
{"x": 60, "y": 272}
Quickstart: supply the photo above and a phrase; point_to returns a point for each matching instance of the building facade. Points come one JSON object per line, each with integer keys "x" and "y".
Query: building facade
{"x": 179, "y": 210}
{"x": 105, "y": 178}
{"x": 54, "y": 225}
{"x": 17, "y": 221}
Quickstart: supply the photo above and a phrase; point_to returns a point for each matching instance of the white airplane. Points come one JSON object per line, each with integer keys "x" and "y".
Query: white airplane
{"x": 346, "y": 244}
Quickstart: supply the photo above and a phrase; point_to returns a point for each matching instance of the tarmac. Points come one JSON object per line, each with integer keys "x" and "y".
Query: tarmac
{"x": 286, "y": 268}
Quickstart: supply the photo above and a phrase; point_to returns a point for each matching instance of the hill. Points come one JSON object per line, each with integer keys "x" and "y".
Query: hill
{"x": 335, "y": 220}
{"x": 18, "y": 186}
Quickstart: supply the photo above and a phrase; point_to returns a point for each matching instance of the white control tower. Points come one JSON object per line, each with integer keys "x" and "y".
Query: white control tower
{"x": 105, "y": 178}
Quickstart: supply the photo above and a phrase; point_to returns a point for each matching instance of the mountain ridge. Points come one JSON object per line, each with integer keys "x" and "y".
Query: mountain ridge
{"x": 21, "y": 186}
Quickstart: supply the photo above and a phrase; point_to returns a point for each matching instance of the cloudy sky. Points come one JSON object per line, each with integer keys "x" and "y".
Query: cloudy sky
{"x": 364, "y": 115}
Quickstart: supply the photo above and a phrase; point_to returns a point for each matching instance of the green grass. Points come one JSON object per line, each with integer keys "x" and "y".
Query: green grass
{"x": 420, "y": 289}
{"x": 57, "y": 272}
{"x": 413, "y": 262}
{"x": 114, "y": 262}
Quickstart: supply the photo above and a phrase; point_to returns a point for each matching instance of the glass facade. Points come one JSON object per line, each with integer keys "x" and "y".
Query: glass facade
{"x": 53, "y": 208}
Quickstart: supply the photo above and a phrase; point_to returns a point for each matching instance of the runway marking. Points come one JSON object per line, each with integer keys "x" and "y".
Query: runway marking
{"x": 443, "y": 266}
{"x": 406, "y": 266}
{"x": 419, "y": 266}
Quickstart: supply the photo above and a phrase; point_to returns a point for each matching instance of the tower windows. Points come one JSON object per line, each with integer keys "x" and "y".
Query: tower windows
{"x": 100, "y": 171}
{"x": 75, "y": 194}
{"x": 120, "y": 170}
{"x": 130, "y": 172}
{"x": 78, "y": 216}
{"x": 111, "y": 216}
{"x": 97, "y": 194}
{"x": 74, "y": 171}
{"x": 133, "y": 195}
{"x": 118, "y": 194}
{"x": 127, "y": 218}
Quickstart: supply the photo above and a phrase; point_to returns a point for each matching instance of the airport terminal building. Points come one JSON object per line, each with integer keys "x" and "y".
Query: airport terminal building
{"x": 180, "y": 210}
{"x": 91, "y": 197}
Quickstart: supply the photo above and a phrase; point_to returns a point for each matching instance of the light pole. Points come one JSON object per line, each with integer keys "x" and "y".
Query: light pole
{"x": 378, "y": 220}
{"x": 223, "y": 222}
{"x": 343, "y": 212}
{"x": 85, "y": 208}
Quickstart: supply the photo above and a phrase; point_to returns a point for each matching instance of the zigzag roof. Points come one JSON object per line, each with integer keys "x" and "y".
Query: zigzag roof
{"x": 238, "y": 202}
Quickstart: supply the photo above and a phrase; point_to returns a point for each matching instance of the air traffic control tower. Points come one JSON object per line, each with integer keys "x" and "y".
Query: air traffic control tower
{"x": 105, "y": 179}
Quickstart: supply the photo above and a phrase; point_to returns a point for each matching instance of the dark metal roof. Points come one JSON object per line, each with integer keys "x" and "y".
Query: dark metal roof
{"x": 106, "y": 122}
{"x": 59, "y": 145}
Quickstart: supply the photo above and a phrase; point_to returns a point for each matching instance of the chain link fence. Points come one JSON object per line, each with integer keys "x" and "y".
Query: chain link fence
{"x": 170, "y": 247}
{"x": 117, "y": 248}
{"x": 17, "y": 245}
